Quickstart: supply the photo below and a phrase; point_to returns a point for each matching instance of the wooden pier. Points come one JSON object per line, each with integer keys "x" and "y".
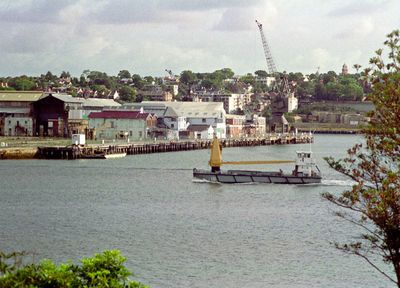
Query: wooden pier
{"x": 79, "y": 152}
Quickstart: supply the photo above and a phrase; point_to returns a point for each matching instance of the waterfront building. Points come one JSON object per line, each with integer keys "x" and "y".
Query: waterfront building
{"x": 178, "y": 116}
{"x": 61, "y": 115}
{"x": 120, "y": 124}
{"x": 155, "y": 93}
{"x": 235, "y": 125}
{"x": 16, "y": 112}
{"x": 255, "y": 126}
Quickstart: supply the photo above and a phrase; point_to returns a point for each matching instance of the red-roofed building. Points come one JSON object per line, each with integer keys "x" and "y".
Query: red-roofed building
{"x": 117, "y": 124}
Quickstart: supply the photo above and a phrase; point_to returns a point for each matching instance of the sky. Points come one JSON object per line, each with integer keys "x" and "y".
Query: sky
{"x": 146, "y": 37}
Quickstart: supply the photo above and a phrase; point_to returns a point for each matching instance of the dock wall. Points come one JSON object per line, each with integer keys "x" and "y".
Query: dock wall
{"x": 78, "y": 152}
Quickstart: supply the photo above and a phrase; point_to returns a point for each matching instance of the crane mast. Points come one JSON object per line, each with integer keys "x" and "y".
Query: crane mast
{"x": 267, "y": 52}
{"x": 279, "y": 98}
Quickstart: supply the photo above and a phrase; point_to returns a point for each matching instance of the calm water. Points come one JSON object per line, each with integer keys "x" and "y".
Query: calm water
{"x": 177, "y": 232}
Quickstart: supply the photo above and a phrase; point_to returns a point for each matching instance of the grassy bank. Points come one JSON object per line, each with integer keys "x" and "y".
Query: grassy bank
{"x": 327, "y": 127}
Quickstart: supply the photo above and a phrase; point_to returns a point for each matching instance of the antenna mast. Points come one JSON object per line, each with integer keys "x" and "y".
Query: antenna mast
{"x": 267, "y": 52}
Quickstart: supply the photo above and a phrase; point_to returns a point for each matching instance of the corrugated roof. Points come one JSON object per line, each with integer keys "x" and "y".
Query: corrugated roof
{"x": 187, "y": 109}
{"x": 63, "y": 97}
{"x": 118, "y": 115}
{"x": 99, "y": 102}
{"x": 20, "y": 96}
{"x": 66, "y": 98}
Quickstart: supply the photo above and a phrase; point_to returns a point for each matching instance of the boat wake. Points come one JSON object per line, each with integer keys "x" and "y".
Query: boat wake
{"x": 196, "y": 180}
{"x": 333, "y": 182}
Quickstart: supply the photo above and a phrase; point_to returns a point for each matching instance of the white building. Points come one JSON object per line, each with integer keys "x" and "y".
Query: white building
{"x": 293, "y": 103}
{"x": 18, "y": 126}
{"x": 268, "y": 81}
{"x": 180, "y": 115}
{"x": 232, "y": 101}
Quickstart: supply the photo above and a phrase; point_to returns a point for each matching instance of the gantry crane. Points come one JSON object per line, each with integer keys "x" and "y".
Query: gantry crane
{"x": 267, "y": 52}
{"x": 279, "y": 102}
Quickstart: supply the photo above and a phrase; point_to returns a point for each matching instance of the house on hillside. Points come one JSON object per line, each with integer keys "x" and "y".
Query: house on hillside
{"x": 118, "y": 124}
{"x": 155, "y": 93}
{"x": 232, "y": 101}
{"x": 16, "y": 112}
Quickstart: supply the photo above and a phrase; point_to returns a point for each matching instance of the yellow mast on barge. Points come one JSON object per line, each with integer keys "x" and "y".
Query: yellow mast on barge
{"x": 216, "y": 158}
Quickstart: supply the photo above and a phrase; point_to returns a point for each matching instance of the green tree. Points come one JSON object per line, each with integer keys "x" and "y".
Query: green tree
{"x": 127, "y": 94}
{"x": 188, "y": 77}
{"x": 101, "y": 78}
{"x": 248, "y": 79}
{"x": 373, "y": 202}
{"x": 297, "y": 77}
{"x": 352, "y": 91}
{"x": 102, "y": 270}
{"x": 50, "y": 77}
{"x": 333, "y": 90}
{"x": 137, "y": 81}
{"x": 261, "y": 73}
{"x": 227, "y": 73}
{"x": 330, "y": 76}
{"x": 23, "y": 83}
{"x": 305, "y": 88}
{"x": 65, "y": 74}
{"x": 149, "y": 79}
{"x": 124, "y": 74}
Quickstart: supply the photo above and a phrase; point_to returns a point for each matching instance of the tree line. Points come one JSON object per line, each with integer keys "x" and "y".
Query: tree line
{"x": 324, "y": 86}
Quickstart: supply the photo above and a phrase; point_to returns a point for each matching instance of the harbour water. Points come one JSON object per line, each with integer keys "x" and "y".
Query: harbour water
{"x": 177, "y": 232}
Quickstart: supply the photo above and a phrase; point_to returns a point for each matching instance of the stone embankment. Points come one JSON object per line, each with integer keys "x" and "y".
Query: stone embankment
{"x": 18, "y": 153}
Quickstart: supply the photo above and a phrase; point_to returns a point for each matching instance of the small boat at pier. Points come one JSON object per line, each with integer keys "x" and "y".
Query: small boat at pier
{"x": 103, "y": 156}
{"x": 305, "y": 171}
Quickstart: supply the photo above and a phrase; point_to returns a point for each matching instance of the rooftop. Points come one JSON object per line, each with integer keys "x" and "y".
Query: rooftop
{"x": 20, "y": 96}
{"x": 118, "y": 115}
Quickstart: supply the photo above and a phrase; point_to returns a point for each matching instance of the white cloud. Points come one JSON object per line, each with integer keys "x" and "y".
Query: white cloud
{"x": 321, "y": 57}
{"x": 201, "y": 35}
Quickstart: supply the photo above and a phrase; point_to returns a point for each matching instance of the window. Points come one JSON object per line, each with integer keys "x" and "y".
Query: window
{"x": 172, "y": 125}
{"x": 112, "y": 124}
{"x": 203, "y": 120}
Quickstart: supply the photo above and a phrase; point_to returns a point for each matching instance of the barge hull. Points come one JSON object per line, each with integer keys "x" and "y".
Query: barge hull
{"x": 236, "y": 176}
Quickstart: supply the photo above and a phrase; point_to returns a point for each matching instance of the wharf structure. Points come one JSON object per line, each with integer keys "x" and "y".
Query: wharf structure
{"x": 79, "y": 152}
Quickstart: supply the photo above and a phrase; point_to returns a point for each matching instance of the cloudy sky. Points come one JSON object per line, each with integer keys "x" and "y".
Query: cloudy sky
{"x": 149, "y": 36}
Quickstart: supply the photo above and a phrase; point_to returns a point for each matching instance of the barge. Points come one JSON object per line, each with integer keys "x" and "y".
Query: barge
{"x": 305, "y": 170}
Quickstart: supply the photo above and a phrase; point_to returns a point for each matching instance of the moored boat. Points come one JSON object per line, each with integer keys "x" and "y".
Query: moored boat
{"x": 305, "y": 171}
{"x": 103, "y": 156}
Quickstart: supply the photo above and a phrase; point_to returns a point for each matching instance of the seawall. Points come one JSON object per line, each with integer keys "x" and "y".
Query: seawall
{"x": 72, "y": 152}
{"x": 19, "y": 153}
